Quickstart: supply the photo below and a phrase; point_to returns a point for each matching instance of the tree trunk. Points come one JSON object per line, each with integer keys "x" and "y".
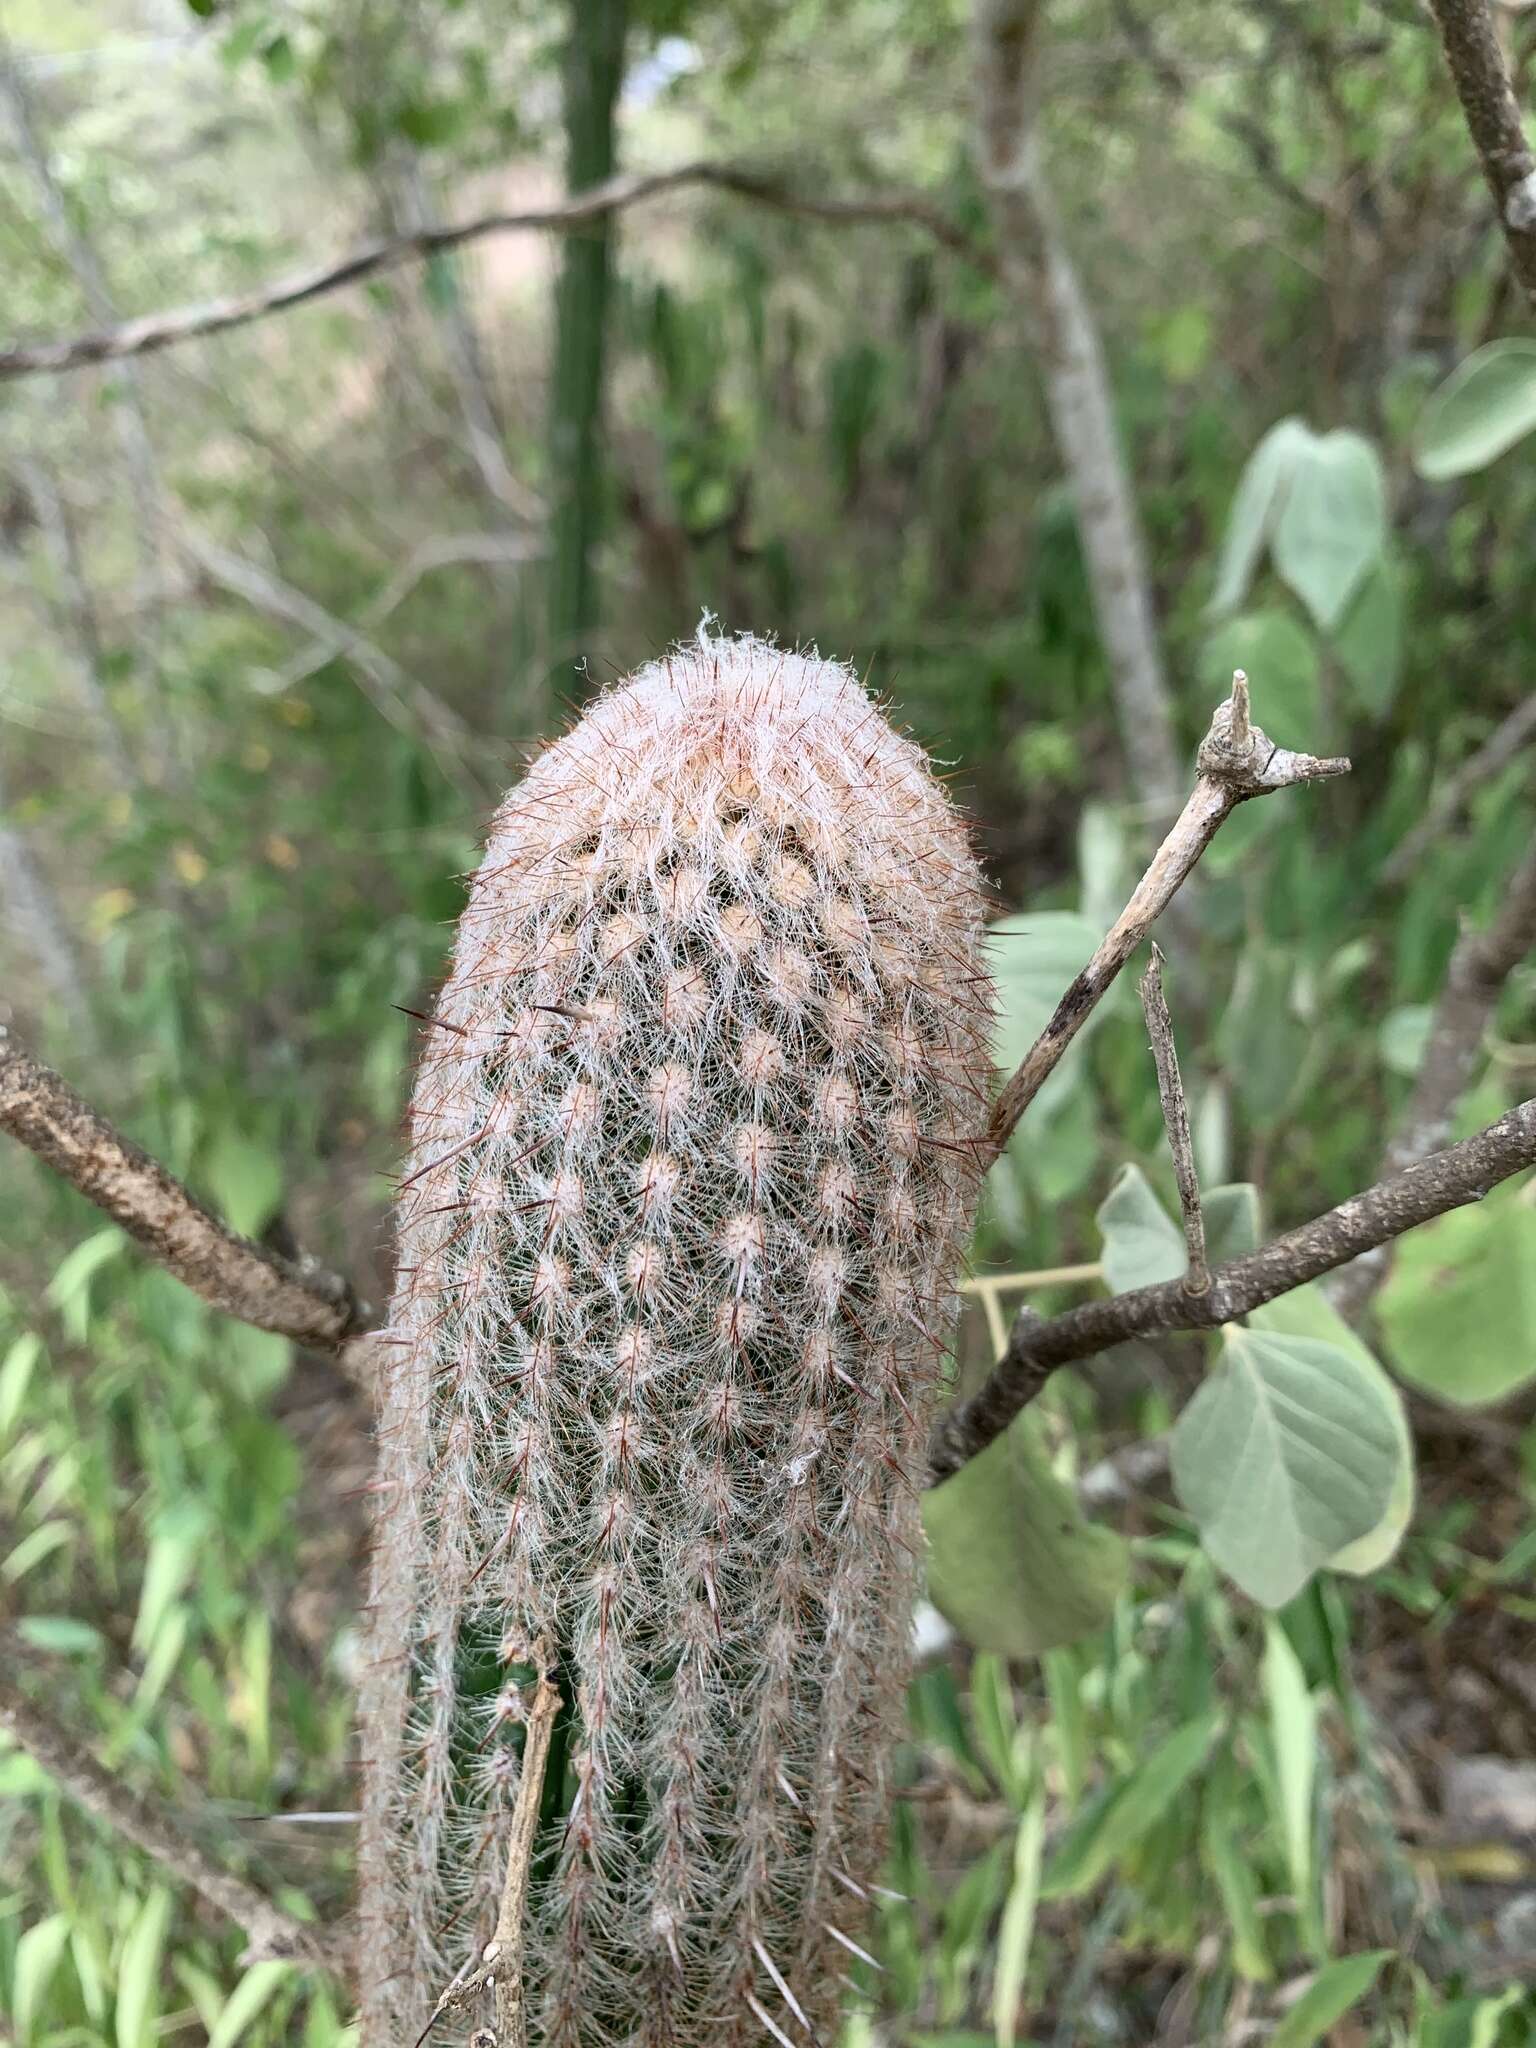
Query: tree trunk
{"x": 594, "y": 71}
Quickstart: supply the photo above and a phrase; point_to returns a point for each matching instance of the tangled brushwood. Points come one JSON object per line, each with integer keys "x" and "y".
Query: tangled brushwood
{"x": 695, "y": 1156}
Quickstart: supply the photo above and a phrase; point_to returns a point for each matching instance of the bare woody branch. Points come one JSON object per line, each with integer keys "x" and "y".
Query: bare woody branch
{"x": 1480, "y": 965}
{"x": 165, "y": 329}
{"x": 1494, "y": 122}
{"x": 1236, "y": 761}
{"x": 1170, "y": 1089}
{"x": 1447, "y": 1180}
{"x": 300, "y": 1301}
{"x": 1036, "y": 263}
{"x": 1501, "y": 747}
{"x": 272, "y": 1933}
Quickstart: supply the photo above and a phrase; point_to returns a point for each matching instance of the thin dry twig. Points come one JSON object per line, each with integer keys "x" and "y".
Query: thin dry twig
{"x": 164, "y": 329}
{"x": 1236, "y": 761}
{"x": 273, "y": 1934}
{"x": 1447, "y": 1180}
{"x": 1170, "y": 1088}
{"x": 1494, "y": 122}
{"x": 1496, "y": 752}
{"x": 500, "y": 1968}
{"x": 1480, "y": 965}
{"x": 299, "y": 1300}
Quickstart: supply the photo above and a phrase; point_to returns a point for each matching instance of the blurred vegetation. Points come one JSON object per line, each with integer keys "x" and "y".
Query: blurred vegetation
{"x": 280, "y": 610}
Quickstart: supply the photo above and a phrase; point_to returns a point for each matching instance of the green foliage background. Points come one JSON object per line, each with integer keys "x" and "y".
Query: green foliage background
{"x": 1198, "y": 1821}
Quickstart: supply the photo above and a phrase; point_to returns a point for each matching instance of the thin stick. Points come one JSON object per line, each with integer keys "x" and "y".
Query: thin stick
{"x": 501, "y": 1960}
{"x": 1446, "y": 1180}
{"x": 1480, "y": 964}
{"x": 1236, "y": 761}
{"x": 1170, "y": 1088}
{"x": 301, "y": 1301}
{"x": 273, "y": 1934}
{"x": 1493, "y": 120}
{"x": 161, "y": 330}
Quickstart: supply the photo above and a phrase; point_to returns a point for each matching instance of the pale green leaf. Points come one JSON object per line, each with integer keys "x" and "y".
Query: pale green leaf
{"x": 1293, "y": 1731}
{"x": 15, "y": 1378}
{"x": 1260, "y": 492}
{"x": 138, "y": 1972}
{"x": 1035, "y": 957}
{"x": 1235, "y": 1881}
{"x": 1368, "y": 640}
{"x": 70, "y": 1288}
{"x": 1484, "y": 407}
{"x": 246, "y": 1180}
{"x": 1327, "y": 1998}
{"x": 1307, "y": 1312}
{"x": 1012, "y": 1562}
{"x": 1288, "y": 1452}
{"x": 1018, "y": 1923}
{"x": 1458, "y": 1314}
{"x": 178, "y": 1535}
{"x": 1332, "y": 527}
{"x": 246, "y": 2001}
{"x": 1142, "y": 1245}
{"x": 1117, "y": 1821}
{"x": 30, "y": 1552}
{"x": 1402, "y": 1036}
{"x": 1280, "y": 658}
{"x": 1232, "y": 1221}
{"x": 38, "y": 1954}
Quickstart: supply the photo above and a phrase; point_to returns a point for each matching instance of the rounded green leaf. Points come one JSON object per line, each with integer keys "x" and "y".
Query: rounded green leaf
{"x": 1459, "y": 1311}
{"x": 1012, "y": 1562}
{"x": 1484, "y": 407}
{"x": 1307, "y": 1312}
{"x": 1287, "y": 1453}
{"x": 1332, "y": 527}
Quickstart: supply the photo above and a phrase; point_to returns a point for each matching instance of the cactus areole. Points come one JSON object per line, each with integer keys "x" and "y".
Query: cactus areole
{"x": 694, "y": 1160}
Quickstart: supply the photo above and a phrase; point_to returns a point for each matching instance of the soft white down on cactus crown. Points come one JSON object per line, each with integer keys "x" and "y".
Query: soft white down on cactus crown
{"x": 694, "y": 1160}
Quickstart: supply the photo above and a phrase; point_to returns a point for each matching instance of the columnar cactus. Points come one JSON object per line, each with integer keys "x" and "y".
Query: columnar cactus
{"x": 694, "y": 1160}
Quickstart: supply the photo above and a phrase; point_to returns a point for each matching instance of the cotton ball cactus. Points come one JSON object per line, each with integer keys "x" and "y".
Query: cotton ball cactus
{"x": 695, "y": 1157}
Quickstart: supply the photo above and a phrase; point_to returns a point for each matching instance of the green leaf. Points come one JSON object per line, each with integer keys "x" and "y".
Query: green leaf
{"x": 1287, "y": 1453}
{"x": 246, "y": 1181}
{"x": 1018, "y": 1923}
{"x": 138, "y": 1974}
{"x": 60, "y": 1634}
{"x": 1307, "y": 1312}
{"x": 1327, "y": 1998}
{"x": 70, "y": 1288}
{"x": 1035, "y": 957}
{"x": 38, "y": 1954}
{"x": 1255, "y": 507}
{"x": 42, "y": 1542}
{"x": 1458, "y": 1314}
{"x": 1119, "y": 1819}
{"x": 246, "y": 2001}
{"x": 1484, "y": 407}
{"x": 1143, "y": 1246}
{"x": 1402, "y": 1036}
{"x": 15, "y": 1378}
{"x": 1012, "y": 1562}
{"x": 1234, "y": 1877}
{"x": 1293, "y": 1731}
{"x": 179, "y": 1534}
{"x": 1280, "y": 659}
{"x": 1332, "y": 527}
{"x": 1368, "y": 640}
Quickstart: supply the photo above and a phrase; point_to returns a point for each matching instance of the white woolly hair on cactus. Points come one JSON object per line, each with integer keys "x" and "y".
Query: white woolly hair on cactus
{"x": 695, "y": 1158}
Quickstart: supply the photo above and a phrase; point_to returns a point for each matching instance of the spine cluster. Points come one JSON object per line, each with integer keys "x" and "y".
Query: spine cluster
{"x": 693, "y": 1162}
